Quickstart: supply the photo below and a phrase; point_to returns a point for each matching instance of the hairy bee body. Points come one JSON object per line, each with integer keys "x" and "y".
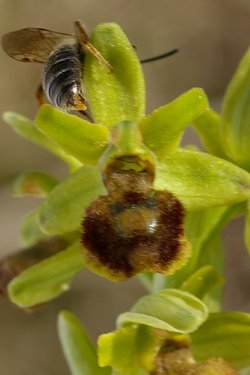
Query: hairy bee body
{"x": 63, "y": 56}
{"x": 62, "y": 77}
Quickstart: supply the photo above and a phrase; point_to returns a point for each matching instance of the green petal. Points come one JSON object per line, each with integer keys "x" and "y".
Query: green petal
{"x": 47, "y": 279}
{"x": 33, "y": 183}
{"x": 118, "y": 95}
{"x": 201, "y": 180}
{"x": 202, "y": 281}
{"x": 78, "y": 349}
{"x": 28, "y": 130}
{"x": 163, "y": 128}
{"x": 77, "y": 137}
{"x": 63, "y": 210}
{"x": 170, "y": 309}
{"x": 208, "y": 126}
{"x": 225, "y": 335}
{"x": 236, "y": 115}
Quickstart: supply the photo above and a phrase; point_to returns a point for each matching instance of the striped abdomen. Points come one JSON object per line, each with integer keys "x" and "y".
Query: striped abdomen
{"x": 62, "y": 79}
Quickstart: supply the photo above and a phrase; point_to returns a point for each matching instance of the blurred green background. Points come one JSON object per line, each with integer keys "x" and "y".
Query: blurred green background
{"x": 212, "y": 36}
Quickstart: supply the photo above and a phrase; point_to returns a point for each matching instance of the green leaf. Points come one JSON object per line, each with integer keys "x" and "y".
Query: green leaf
{"x": 247, "y": 227}
{"x": 203, "y": 232}
{"x": 170, "y": 309}
{"x": 201, "y": 180}
{"x": 28, "y": 130}
{"x": 236, "y": 115}
{"x": 64, "y": 207}
{"x": 79, "y": 138}
{"x": 30, "y": 232}
{"x": 163, "y": 128}
{"x": 210, "y": 250}
{"x": 118, "y": 95}
{"x": 202, "y": 281}
{"x": 213, "y": 254}
{"x": 33, "y": 183}
{"x": 225, "y": 335}
{"x": 47, "y": 279}
{"x": 78, "y": 349}
{"x": 208, "y": 126}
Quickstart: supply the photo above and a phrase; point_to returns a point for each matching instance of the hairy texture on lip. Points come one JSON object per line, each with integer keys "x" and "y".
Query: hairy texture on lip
{"x": 120, "y": 240}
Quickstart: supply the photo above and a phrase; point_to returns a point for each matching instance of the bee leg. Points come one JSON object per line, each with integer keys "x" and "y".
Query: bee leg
{"x": 86, "y": 45}
{"x": 40, "y": 95}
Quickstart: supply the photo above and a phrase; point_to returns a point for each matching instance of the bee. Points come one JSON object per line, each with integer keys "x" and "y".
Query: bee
{"x": 133, "y": 227}
{"x": 63, "y": 56}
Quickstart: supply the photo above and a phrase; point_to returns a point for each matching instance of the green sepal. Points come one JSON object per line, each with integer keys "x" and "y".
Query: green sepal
{"x": 64, "y": 207}
{"x": 201, "y": 180}
{"x": 225, "y": 335}
{"x": 119, "y": 94}
{"x": 208, "y": 126}
{"x": 236, "y": 113}
{"x": 162, "y": 129}
{"x": 34, "y": 183}
{"x": 28, "y": 130}
{"x": 78, "y": 349}
{"x": 169, "y": 309}
{"x": 202, "y": 281}
{"x": 30, "y": 232}
{"x": 77, "y": 137}
{"x": 47, "y": 279}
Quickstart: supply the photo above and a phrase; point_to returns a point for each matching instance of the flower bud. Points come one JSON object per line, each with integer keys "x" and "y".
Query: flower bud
{"x": 12, "y": 265}
{"x": 175, "y": 358}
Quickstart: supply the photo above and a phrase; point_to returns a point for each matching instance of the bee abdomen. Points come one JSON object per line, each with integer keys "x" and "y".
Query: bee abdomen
{"x": 62, "y": 79}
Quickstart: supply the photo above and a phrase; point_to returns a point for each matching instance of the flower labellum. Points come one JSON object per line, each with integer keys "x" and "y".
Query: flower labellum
{"x": 135, "y": 228}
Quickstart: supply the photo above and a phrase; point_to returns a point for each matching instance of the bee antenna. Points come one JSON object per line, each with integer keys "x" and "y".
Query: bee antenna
{"x": 159, "y": 57}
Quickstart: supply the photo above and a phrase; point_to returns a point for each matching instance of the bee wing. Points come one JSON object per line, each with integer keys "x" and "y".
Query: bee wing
{"x": 33, "y": 44}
